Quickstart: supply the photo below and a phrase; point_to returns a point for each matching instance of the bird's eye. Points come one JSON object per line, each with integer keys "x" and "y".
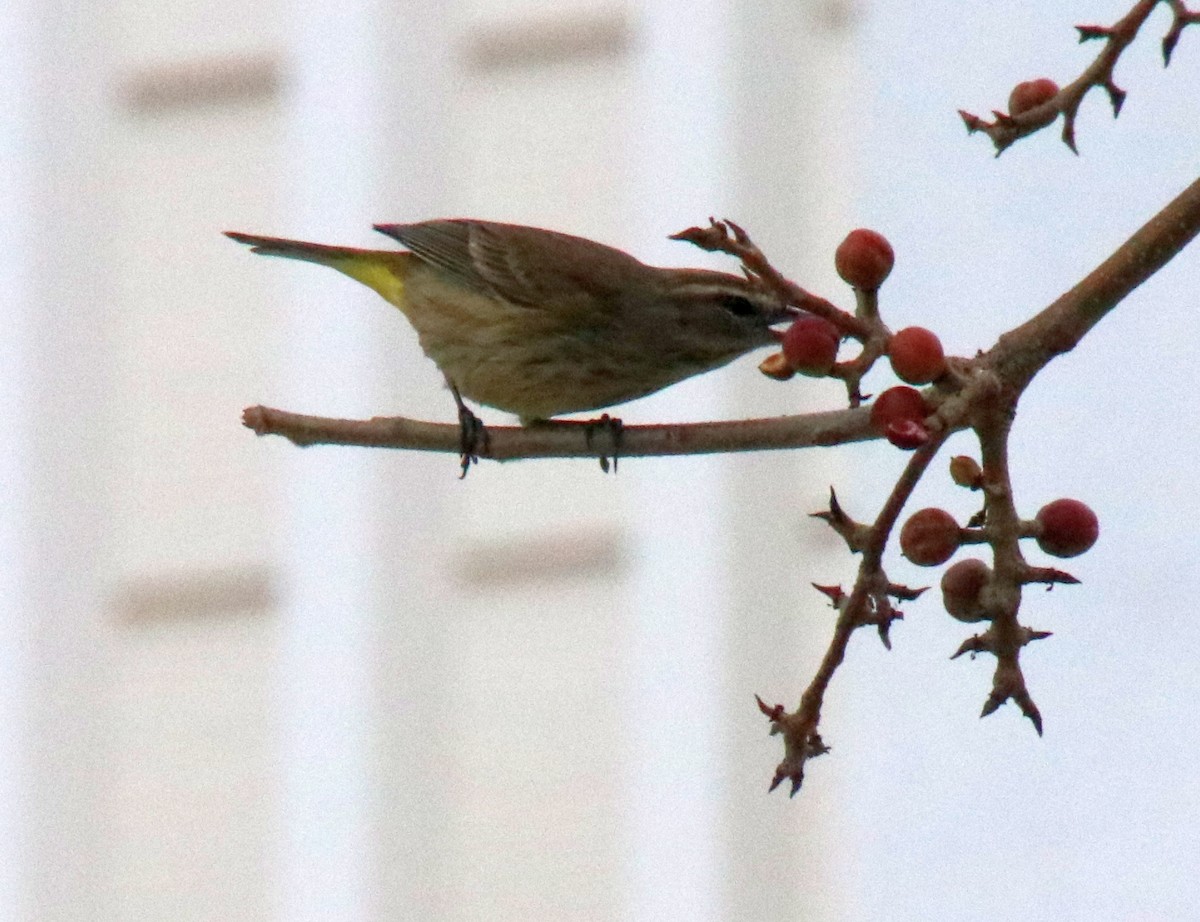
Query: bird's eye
{"x": 737, "y": 305}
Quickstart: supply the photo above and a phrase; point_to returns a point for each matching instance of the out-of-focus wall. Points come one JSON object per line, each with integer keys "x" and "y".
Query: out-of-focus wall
{"x": 249, "y": 682}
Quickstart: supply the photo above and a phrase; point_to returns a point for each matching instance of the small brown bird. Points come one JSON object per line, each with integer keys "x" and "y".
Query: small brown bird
{"x": 539, "y": 323}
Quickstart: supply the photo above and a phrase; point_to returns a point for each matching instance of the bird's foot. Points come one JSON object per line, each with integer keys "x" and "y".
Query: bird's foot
{"x": 607, "y": 429}
{"x": 473, "y": 434}
{"x": 615, "y": 429}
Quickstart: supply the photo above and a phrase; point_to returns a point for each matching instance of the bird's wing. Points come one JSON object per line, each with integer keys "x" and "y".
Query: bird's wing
{"x": 444, "y": 244}
{"x": 520, "y": 264}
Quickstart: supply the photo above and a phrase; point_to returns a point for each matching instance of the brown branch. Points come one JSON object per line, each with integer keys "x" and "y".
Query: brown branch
{"x": 569, "y": 439}
{"x": 1000, "y": 599}
{"x": 871, "y": 588}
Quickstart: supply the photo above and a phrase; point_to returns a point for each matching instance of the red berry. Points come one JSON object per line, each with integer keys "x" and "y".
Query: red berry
{"x": 811, "y": 345}
{"x": 864, "y": 259}
{"x": 1068, "y": 528}
{"x": 897, "y": 404}
{"x": 961, "y": 588}
{"x": 916, "y": 355}
{"x": 1031, "y": 94}
{"x": 929, "y": 537}
{"x": 907, "y": 434}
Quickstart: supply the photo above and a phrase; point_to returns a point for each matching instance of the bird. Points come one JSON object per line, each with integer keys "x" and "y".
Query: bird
{"x": 540, "y": 323}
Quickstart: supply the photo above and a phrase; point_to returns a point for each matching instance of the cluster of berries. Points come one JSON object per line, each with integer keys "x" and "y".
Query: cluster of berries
{"x": 1062, "y": 528}
{"x": 810, "y": 345}
{"x": 930, "y": 537}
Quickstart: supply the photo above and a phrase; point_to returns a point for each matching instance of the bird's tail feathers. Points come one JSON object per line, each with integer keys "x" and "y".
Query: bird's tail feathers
{"x": 382, "y": 270}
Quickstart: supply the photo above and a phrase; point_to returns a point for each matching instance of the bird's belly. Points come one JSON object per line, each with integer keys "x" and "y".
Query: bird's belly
{"x": 536, "y": 362}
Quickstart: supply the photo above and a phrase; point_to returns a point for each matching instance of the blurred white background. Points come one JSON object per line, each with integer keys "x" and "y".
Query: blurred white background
{"x": 243, "y": 681}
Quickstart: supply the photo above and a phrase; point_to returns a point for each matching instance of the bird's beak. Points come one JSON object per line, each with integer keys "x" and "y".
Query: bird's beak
{"x": 786, "y": 313}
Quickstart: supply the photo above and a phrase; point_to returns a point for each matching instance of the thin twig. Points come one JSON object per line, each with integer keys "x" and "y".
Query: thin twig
{"x": 727, "y": 237}
{"x": 1007, "y": 128}
{"x": 800, "y": 728}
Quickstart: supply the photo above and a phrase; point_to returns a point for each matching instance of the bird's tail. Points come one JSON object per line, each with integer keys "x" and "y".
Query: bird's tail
{"x": 382, "y": 270}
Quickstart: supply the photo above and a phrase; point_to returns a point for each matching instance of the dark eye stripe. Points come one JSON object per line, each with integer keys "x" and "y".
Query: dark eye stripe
{"x": 737, "y": 305}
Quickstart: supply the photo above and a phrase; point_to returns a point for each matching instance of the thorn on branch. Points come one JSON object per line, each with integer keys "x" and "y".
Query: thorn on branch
{"x": 1050, "y": 576}
{"x": 836, "y": 596}
{"x": 1038, "y": 635}
{"x": 725, "y": 236}
{"x": 773, "y": 712}
{"x": 835, "y": 507}
{"x": 739, "y": 234}
{"x": 716, "y": 238}
{"x": 1181, "y": 17}
{"x": 855, "y": 534}
{"x": 980, "y": 643}
{"x": 1009, "y": 684}
{"x": 1116, "y": 96}
{"x": 904, "y": 593}
{"x": 801, "y": 743}
{"x": 990, "y": 642}
{"x": 1087, "y": 33}
{"x": 973, "y": 122}
{"x": 883, "y": 618}
{"x": 1068, "y": 133}
{"x": 1029, "y": 709}
{"x": 792, "y": 766}
{"x": 1024, "y": 702}
{"x": 879, "y": 610}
